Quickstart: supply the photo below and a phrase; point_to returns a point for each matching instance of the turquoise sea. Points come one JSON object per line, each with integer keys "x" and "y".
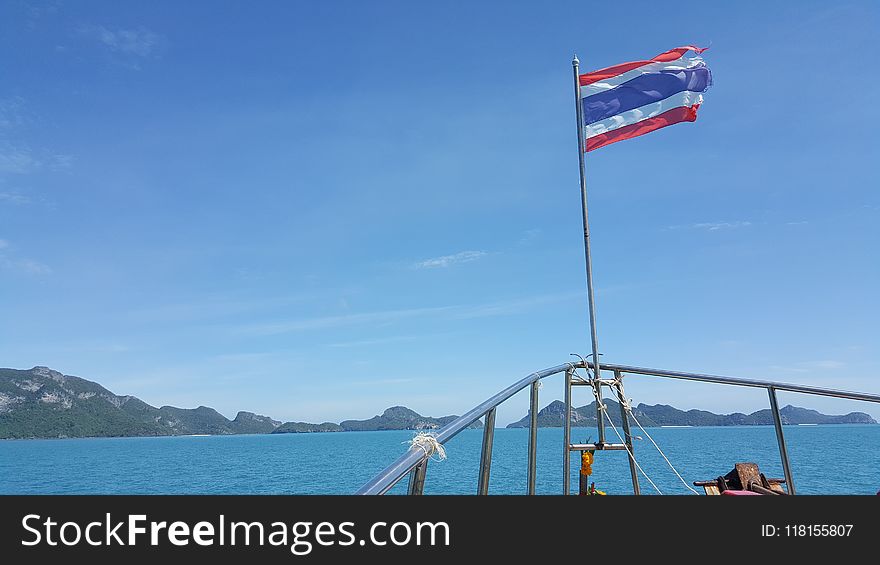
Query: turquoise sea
{"x": 833, "y": 459}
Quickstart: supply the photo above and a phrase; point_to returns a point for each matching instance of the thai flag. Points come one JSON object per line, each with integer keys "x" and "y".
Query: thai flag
{"x": 632, "y": 99}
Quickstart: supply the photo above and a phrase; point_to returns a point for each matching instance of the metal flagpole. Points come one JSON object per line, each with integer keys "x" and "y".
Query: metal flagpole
{"x": 581, "y": 147}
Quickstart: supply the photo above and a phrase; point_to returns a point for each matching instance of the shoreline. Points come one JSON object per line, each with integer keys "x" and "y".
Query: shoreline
{"x": 497, "y": 428}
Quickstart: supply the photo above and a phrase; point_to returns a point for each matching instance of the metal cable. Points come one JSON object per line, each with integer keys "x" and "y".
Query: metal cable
{"x": 628, "y": 408}
{"x": 610, "y": 423}
{"x": 631, "y": 455}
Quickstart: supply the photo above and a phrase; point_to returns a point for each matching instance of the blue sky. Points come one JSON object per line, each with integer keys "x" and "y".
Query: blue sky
{"x": 318, "y": 210}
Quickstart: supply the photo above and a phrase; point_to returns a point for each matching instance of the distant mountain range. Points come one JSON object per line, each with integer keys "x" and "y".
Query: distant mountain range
{"x": 43, "y": 403}
{"x": 553, "y": 416}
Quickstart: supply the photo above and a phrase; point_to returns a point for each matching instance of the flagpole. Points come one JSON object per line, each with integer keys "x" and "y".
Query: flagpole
{"x": 592, "y": 306}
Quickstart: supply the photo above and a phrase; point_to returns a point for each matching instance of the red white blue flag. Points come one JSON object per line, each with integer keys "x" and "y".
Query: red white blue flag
{"x": 632, "y": 99}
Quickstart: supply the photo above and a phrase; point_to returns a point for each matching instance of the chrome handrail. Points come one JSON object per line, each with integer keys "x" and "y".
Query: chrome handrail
{"x": 391, "y": 475}
{"x": 414, "y": 461}
{"x": 736, "y": 381}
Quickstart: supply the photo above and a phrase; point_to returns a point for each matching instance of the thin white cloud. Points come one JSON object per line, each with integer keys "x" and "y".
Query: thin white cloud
{"x": 243, "y": 357}
{"x": 530, "y": 235}
{"x": 214, "y": 307}
{"x": 828, "y": 364}
{"x": 9, "y": 262}
{"x": 26, "y": 266}
{"x": 32, "y": 267}
{"x": 61, "y": 162}
{"x": 16, "y": 156}
{"x": 326, "y": 322}
{"x": 515, "y": 306}
{"x": 380, "y": 382}
{"x": 139, "y": 42}
{"x": 449, "y": 260}
{"x": 14, "y": 198}
{"x": 12, "y": 113}
{"x": 371, "y": 342}
{"x": 388, "y": 317}
{"x": 17, "y": 160}
{"x": 22, "y": 160}
{"x": 810, "y": 366}
{"x": 94, "y": 346}
{"x": 37, "y": 14}
{"x": 713, "y": 226}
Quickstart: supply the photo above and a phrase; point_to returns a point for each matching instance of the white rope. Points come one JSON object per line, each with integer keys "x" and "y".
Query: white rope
{"x": 428, "y": 443}
{"x": 628, "y": 408}
{"x": 632, "y": 457}
{"x": 668, "y": 462}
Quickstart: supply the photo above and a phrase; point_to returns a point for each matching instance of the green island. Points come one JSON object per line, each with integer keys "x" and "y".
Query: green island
{"x": 44, "y": 403}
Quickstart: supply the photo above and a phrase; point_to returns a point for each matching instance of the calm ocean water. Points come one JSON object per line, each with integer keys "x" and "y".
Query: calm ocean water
{"x": 826, "y": 459}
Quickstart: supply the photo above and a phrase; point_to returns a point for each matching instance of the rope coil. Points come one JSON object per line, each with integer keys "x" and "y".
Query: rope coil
{"x": 428, "y": 443}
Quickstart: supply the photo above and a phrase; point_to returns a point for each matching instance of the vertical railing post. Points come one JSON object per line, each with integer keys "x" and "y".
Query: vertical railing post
{"x": 624, "y": 418}
{"x": 566, "y": 435}
{"x": 780, "y": 439}
{"x": 486, "y": 453}
{"x": 417, "y": 478}
{"x": 533, "y": 436}
{"x": 600, "y": 414}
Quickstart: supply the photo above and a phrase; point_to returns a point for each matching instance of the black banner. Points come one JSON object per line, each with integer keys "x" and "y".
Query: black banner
{"x": 433, "y": 529}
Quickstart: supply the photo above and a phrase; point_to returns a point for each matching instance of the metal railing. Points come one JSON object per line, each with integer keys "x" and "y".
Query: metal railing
{"x": 415, "y": 461}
